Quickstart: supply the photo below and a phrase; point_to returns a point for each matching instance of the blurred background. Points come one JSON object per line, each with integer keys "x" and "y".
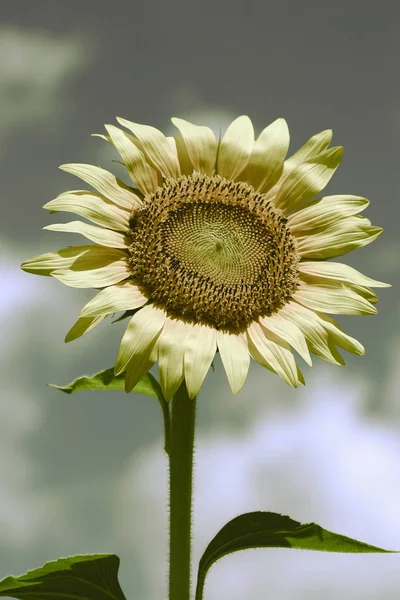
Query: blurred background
{"x": 86, "y": 473}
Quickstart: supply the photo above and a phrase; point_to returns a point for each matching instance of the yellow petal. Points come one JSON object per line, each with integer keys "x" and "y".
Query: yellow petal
{"x": 139, "y": 365}
{"x": 200, "y": 143}
{"x": 338, "y": 271}
{"x": 105, "y": 183}
{"x": 235, "y": 148}
{"x": 340, "y": 337}
{"x": 179, "y": 149}
{"x": 300, "y": 377}
{"x": 314, "y": 146}
{"x": 94, "y": 278}
{"x": 45, "y": 264}
{"x": 200, "y": 350}
{"x": 361, "y": 290}
{"x": 156, "y": 146}
{"x": 141, "y": 173}
{"x": 142, "y": 331}
{"x": 91, "y": 206}
{"x": 331, "y": 299}
{"x": 324, "y": 213}
{"x": 171, "y": 350}
{"x": 274, "y": 353}
{"x": 235, "y": 357}
{"x": 311, "y": 326}
{"x": 104, "y": 237}
{"x": 83, "y": 326}
{"x": 335, "y": 241}
{"x": 122, "y": 296}
{"x": 257, "y": 356}
{"x": 308, "y": 179}
{"x": 267, "y": 157}
{"x": 289, "y": 332}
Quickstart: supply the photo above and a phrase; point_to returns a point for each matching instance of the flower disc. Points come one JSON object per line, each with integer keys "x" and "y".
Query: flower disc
{"x": 213, "y": 249}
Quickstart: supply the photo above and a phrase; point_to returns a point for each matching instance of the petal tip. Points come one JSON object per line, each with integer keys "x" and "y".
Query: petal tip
{"x": 128, "y": 387}
{"x": 281, "y": 121}
{"x": 65, "y": 166}
{"x": 118, "y": 369}
{"x": 235, "y": 390}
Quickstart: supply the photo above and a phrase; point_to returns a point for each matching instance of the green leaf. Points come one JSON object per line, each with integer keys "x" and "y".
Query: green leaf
{"x": 85, "y": 577}
{"x": 106, "y": 380}
{"x": 271, "y": 530}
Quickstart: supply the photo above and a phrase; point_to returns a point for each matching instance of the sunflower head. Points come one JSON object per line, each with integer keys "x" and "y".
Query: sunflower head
{"x": 211, "y": 249}
{"x": 215, "y": 246}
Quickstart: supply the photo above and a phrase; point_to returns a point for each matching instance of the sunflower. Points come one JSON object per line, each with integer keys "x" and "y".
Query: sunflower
{"x": 215, "y": 246}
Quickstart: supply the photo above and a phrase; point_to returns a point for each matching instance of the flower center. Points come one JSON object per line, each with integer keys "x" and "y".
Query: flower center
{"x": 215, "y": 250}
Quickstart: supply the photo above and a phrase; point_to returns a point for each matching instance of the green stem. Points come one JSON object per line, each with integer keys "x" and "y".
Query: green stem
{"x": 181, "y": 445}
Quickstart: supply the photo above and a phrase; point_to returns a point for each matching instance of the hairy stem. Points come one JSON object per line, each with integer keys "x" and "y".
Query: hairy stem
{"x": 181, "y": 446}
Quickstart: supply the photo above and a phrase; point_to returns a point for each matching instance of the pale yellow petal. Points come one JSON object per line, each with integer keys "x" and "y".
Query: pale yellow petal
{"x": 91, "y": 206}
{"x": 314, "y": 146}
{"x": 361, "y": 290}
{"x": 178, "y": 147}
{"x": 340, "y": 337}
{"x": 139, "y": 145}
{"x": 308, "y": 179}
{"x": 274, "y": 352}
{"x": 104, "y": 237}
{"x": 200, "y": 143}
{"x": 141, "y": 173}
{"x": 201, "y": 346}
{"x": 83, "y": 326}
{"x": 144, "y": 328}
{"x": 156, "y": 146}
{"x": 257, "y": 356}
{"x": 235, "y": 148}
{"x": 337, "y": 271}
{"x": 300, "y": 376}
{"x": 331, "y": 299}
{"x": 171, "y": 350}
{"x": 289, "y": 332}
{"x": 45, "y": 264}
{"x": 94, "y": 278}
{"x": 94, "y": 256}
{"x": 106, "y": 138}
{"x": 267, "y": 157}
{"x": 324, "y": 213}
{"x": 139, "y": 365}
{"x": 105, "y": 183}
{"x": 127, "y": 149}
{"x": 235, "y": 357}
{"x": 122, "y": 296}
{"x": 351, "y": 233}
{"x": 312, "y": 328}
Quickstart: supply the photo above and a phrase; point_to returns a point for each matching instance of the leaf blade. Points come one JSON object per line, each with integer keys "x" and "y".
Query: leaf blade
{"x": 106, "y": 380}
{"x": 272, "y": 530}
{"x": 81, "y": 577}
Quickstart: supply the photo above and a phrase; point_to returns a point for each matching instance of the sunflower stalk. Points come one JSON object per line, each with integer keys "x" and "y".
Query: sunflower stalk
{"x": 181, "y": 448}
